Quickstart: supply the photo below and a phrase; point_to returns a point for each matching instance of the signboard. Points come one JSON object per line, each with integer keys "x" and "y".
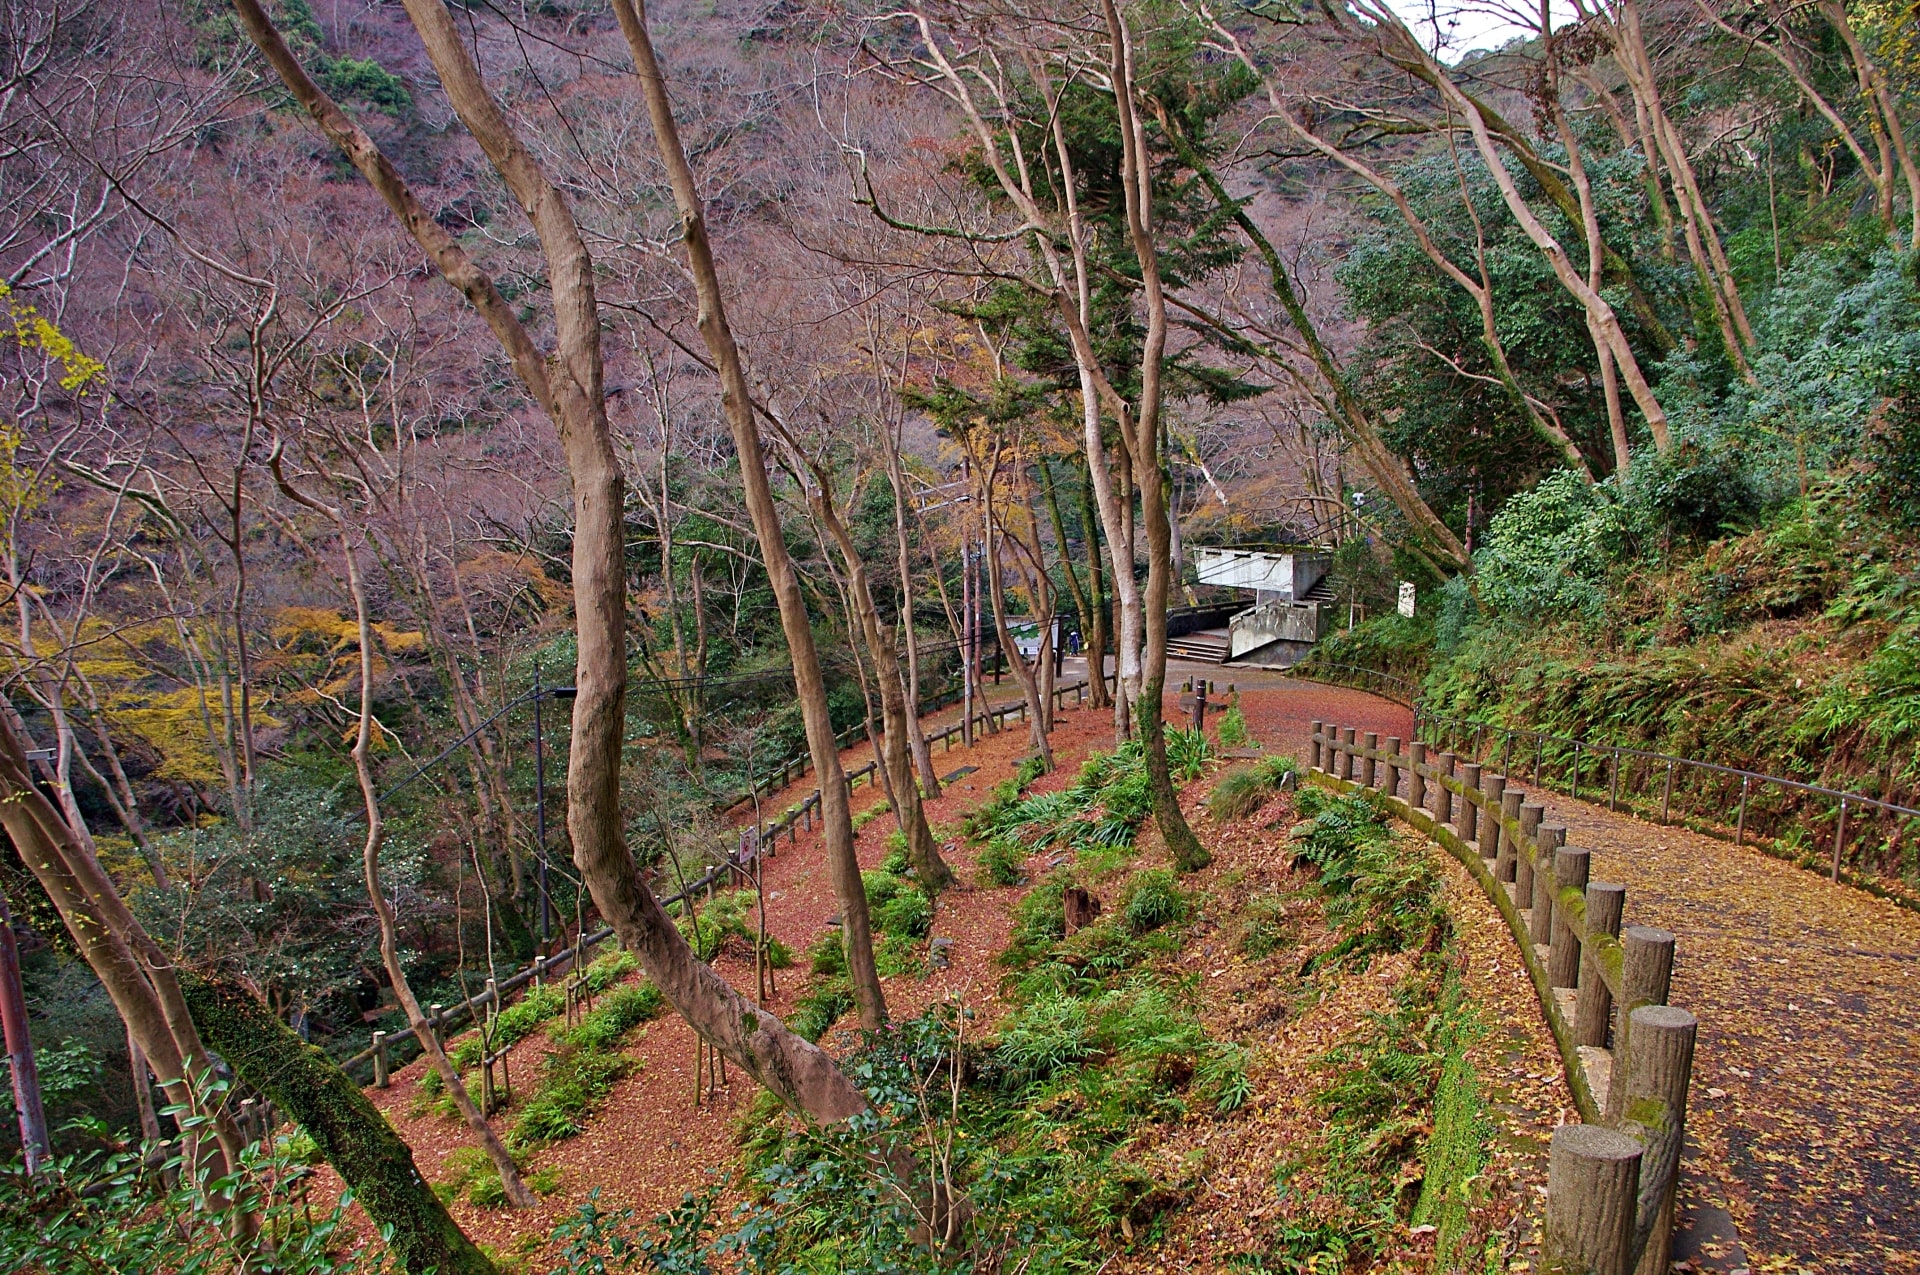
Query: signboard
{"x": 1406, "y": 598}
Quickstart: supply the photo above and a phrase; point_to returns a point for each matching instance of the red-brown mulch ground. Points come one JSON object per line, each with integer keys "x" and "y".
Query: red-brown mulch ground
{"x": 651, "y": 1142}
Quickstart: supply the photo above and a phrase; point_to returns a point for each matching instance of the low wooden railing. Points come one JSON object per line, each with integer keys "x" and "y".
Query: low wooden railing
{"x": 760, "y": 839}
{"x": 1602, "y": 988}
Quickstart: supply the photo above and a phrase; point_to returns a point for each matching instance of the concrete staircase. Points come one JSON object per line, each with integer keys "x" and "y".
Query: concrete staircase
{"x": 1208, "y": 646}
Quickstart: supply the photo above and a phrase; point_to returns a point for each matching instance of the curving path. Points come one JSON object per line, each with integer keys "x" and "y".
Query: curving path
{"x": 1805, "y": 1114}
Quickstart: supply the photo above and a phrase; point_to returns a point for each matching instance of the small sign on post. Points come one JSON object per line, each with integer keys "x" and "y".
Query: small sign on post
{"x": 1406, "y": 598}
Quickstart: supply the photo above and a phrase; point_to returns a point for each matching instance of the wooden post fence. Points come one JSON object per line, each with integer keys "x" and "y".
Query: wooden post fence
{"x": 1611, "y": 1179}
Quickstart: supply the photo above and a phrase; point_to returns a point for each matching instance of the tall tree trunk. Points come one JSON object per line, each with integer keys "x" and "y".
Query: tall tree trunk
{"x": 736, "y": 404}
{"x": 996, "y": 589}
{"x": 1136, "y": 179}
{"x": 517, "y": 1192}
{"x": 1100, "y": 604}
{"x": 568, "y": 386}
{"x": 923, "y": 852}
{"x": 916, "y": 733}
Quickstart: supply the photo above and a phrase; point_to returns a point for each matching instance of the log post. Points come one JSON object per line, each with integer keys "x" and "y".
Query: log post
{"x": 1493, "y": 789}
{"x": 1546, "y": 842}
{"x": 381, "y": 1063}
{"x": 1313, "y": 744}
{"x": 1646, "y": 976}
{"x": 1659, "y": 1068}
{"x": 1468, "y": 824}
{"x": 1391, "y": 784}
{"x": 1347, "y": 743}
{"x": 1570, "y": 869}
{"x": 1369, "y": 769}
{"x": 1416, "y": 782}
{"x": 1523, "y": 852}
{"x": 1443, "y": 795}
{"x": 437, "y": 1020}
{"x": 1503, "y": 859}
{"x": 1605, "y": 904}
{"x": 1332, "y": 757}
{"x": 1593, "y": 1184}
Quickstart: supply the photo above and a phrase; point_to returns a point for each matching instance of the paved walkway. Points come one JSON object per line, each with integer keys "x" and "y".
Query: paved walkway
{"x": 1805, "y": 1113}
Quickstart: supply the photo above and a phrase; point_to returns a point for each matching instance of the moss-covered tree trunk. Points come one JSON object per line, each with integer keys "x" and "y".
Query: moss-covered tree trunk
{"x": 354, "y": 1137}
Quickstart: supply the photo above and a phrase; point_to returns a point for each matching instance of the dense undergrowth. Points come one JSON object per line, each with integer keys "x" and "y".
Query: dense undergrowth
{"x": 1751, "y": 598}
{"x": 1052, "y": 1139}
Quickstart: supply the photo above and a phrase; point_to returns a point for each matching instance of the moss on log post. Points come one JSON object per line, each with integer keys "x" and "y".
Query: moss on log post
{"x": 354, "y": 1137}
{"x": 1540, "y": 917}
{"x": 1605, "y": 904}
{"x": 1493, "y": 788}
{"x": 1504, "y": 866}
{"x": 1468, "y": 825}
{"x": 1571, "y": 866}
{"x": 1646, "y": 974}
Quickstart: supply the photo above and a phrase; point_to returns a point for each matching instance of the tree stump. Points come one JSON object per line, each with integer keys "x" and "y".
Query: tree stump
{"x": 1082, "y": 908}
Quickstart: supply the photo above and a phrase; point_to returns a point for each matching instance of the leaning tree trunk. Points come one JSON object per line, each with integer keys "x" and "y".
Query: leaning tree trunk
{"x": 568, "y": 385}
{"x": 923, "y": 852}
{"x": 351, "y": 1133}
{"x": 736, "y": 402}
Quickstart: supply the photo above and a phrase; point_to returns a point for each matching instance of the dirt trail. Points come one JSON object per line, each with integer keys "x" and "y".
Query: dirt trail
{"x": 1805, "y": 1126}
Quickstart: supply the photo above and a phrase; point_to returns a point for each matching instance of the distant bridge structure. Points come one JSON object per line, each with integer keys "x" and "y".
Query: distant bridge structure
{"x": 1290, "y": 610}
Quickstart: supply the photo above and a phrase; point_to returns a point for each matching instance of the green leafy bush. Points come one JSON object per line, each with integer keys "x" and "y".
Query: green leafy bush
{"x": 1049, "y": 1034}
{"x": 1233, "y": 726}
{"x": 1001, "y": 863}
{"x": 1244, "y": 789}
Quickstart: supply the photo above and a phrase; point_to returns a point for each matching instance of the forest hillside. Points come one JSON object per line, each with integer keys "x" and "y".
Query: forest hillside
{"x": 547, "y": 545}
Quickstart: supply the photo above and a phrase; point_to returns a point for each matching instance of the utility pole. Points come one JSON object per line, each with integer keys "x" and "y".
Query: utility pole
{"x": 540, "y": 811}
{"x": 26, "y": 1077}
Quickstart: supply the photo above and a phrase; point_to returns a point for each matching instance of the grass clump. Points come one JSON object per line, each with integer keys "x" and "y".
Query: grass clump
{"x": 1151, "y": 900}
{"x": 1265, "y": 927}
{"x": 820, "y": 1008}
{"x": 1244, "y": 789}
{"x": 1233, "y": 725}
{"x": 617, "y": 1014}
{"x": 1001, "y": 862}
{"x": 575, "y": 1082}
{"x": 470, "y": 1176}
{"x": 731, "y": 920}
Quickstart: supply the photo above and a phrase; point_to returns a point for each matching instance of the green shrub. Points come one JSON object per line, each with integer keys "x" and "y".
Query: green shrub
{"x": 1039, "y": 921}
{"x": 510, "y": 1026}
{"x": 1001, "y": 863}
{"x": 827, "y": 955}
{"x": 1151, "y": 900}
{"x": 898, "y": 955}
{"x": 1264, "y": 928}
{"x": 1049, "y": 1034}
{"x": 610, "y": 968}
{"x": 575, "y": 1082}
{"x": 820, "y": 1008}
{"x": 1233, "y": 726}
{"x": 619, "y": 1012}
{"x": 908, "y": 913}
{"x": 896, "y": 861}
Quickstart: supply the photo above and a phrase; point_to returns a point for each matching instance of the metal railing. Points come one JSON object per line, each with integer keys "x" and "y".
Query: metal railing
{"x": 1360, "y": 678}
{"x": 1764, "y": 808}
